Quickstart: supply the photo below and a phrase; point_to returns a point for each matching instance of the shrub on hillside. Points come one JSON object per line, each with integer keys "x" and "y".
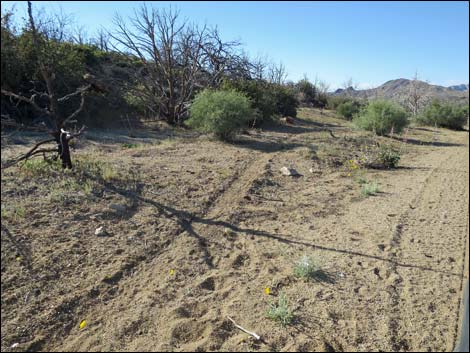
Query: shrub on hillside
{"x": 306, "y": 92}
{"x": 333, "y": 102}
{"x": 348, "y": 109}
{"x": 444, "y": 115}
{"x": 222, "y": 112}
{"x": 268, "y": 100}
{"x": 382, "y": 117}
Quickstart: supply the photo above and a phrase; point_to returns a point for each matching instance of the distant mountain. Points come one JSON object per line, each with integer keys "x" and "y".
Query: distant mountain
{"x": 398, "y": 90}
{"x": 462, "y": 87}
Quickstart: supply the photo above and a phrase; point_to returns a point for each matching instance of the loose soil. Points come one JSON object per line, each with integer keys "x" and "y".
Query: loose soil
{"x": 197, "y": 229}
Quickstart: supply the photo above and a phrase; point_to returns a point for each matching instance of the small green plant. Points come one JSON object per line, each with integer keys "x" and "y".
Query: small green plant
{"x": 130, "y": 145}
{"x": 14, "y": 213}
{"x": 308, "y": 268}
{"x": 369, "y": 188}
{"x": 382, "y": 117}
{"x": 388, "y": 156}
{"x": 281, "y": 311}
{"x": 37, "y": 167}
{"x": 222, "y": 113}
{"x": 361, "y": 180}
{"x": 96, "y": 169}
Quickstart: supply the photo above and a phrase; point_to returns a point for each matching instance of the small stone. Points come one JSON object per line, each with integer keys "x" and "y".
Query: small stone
{"x": 101, "y": 232}
{"x": 289, "y": 171}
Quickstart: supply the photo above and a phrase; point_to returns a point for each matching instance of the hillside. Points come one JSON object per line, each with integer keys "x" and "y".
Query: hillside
{"x": 399, "y": 89}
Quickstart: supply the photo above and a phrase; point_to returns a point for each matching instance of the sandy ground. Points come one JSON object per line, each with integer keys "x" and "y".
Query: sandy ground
{"x": 203, "y": 227}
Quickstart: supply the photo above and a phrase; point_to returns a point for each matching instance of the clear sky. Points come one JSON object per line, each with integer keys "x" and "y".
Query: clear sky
{"x": 370, "y": 42}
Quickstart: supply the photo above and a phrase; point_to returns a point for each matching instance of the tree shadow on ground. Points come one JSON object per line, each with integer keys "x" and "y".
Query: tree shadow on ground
{"x": 425, "y": 143}
{"x": 187, "y": 219}
{"x": 268, "y": 145}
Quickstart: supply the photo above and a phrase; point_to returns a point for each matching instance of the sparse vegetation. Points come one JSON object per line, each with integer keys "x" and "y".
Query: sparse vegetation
{"x": 308, "y": 268}
{"x": 281, "y": 312}
{"x": 370, "y": 188}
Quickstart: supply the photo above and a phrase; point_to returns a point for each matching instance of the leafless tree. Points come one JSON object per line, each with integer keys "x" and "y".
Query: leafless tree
{"x": 277, "y": 73}
{"x": 80, "y": 35}
{"x": 259, "y": 66}
{"x": 415, "y": 99}
{"x": 178, "y": 59}
{"x": 101, "y": 40}
{"x": 47, "y": 102}
{"x": 349, "y": 85}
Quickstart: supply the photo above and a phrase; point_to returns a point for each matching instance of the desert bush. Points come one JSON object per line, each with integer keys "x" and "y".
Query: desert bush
{"x": 334, "y": 101}
{"x": 222, "y": 112}
{"x": 348, "y": 109}
{"x": 444, "y": 115}
{"x": 306, "y": 92}
{"x": 281, "y": 311}
{"x": 268, "y": 100}
{"x": 381, "y": 117}
{"x": 388, "y": 156}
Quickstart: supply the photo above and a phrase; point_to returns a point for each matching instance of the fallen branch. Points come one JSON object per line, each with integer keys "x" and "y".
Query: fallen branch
{"x": 31, "y": 153}
{"x": 257, "y": 337}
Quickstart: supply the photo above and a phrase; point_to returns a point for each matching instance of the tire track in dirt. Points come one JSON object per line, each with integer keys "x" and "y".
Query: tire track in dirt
{"x": 202, "y": 317}
{"x": 433, "y": 205}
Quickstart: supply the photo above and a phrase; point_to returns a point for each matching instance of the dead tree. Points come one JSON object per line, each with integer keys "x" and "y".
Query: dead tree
{"x": 277, "y": 73}
{"x": 51, "y": 109}
{"x": 415, "y": 99}
{"x": 178, "y": 59}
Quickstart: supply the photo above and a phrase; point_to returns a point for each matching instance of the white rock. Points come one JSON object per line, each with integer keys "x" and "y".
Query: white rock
{"x": 100, "y": 231}
{"x": 289, "y": 171}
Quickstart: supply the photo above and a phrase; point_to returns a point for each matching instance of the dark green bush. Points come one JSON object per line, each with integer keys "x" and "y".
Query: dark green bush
{"x": 333, "y": 101}
{"x": 268, "y": 100}
{"x": 222, "y": 112}
{"x": 381, "y": 117}
{"x": 306, "y": 92}
{"x": 348, "y": 109}
{"x": 444, "y": 115}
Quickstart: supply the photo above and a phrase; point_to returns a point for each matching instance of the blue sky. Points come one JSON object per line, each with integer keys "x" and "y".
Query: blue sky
{"x": 370, "y": 42}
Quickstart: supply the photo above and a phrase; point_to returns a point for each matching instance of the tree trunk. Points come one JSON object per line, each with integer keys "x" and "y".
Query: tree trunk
{"x": 63, "y": 149}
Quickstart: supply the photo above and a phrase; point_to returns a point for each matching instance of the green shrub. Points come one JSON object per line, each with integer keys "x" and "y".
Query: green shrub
{"x": 388, "y": 156}
{"x": 222, "y": 113}
{"x": 444, "y": 115}
{"x": 268, "y": 100}
{"x": 334, "y": 101}
{"x": 306, "y": 92}
{"x": 348, "y": 109}
{"x": 381, "y": 117}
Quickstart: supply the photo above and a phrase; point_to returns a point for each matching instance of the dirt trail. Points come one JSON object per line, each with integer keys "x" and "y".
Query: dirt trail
{"x": 395, "y": 261}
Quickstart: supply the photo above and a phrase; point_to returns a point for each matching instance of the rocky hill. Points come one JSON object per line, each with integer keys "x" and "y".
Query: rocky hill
{"x": 397, "y": 90}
